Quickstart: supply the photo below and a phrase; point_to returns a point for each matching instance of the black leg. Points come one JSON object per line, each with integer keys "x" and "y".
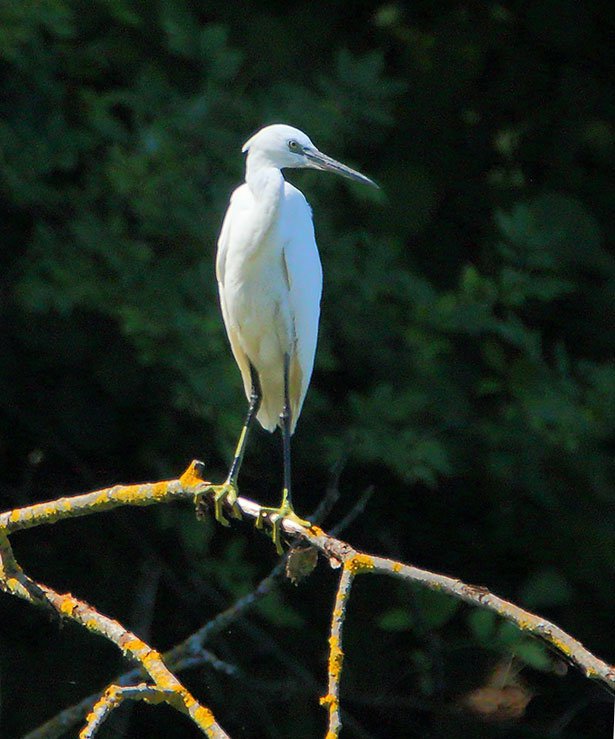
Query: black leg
{"x": 255, "y": 401}
{"x": 285, "y": 422}
{"x": 276, "y": 516}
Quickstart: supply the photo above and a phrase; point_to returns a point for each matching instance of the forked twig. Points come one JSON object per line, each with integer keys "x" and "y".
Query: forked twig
{"x": 113, "y": 697}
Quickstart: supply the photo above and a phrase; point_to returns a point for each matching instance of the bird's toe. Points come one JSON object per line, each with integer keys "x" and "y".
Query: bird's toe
{"x": 224, "y": 498}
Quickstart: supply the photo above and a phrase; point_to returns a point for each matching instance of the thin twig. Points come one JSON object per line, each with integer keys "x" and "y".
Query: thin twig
{"x": 205, "y": 657}
{"x": 332, "y": 492}
{"x": 356, "y": 510}
{"x": 331, "y": 701}
{"x": 14, "y": 580}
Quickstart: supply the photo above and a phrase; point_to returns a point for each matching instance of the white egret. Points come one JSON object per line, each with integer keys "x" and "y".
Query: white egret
{"x": 270, "y": 283}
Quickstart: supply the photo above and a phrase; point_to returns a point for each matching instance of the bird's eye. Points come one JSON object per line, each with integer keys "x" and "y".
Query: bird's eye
{"x": 293, "y": 145}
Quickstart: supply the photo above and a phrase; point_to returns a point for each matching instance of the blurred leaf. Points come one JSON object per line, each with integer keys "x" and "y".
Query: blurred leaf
{"x": 395, "y": 619}
{"x": 508, "y": 635}
{"x": 436, "y": 609}
{"x": 482, "y": 623}
{"x": 279, "y": 612}
{"x": 534, "y": 655}
{"x": 545, "y": 589}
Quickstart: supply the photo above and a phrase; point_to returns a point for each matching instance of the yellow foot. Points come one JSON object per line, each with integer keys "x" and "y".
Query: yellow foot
{"x": 224, "y": 495}
{"x": 275, "y": 516}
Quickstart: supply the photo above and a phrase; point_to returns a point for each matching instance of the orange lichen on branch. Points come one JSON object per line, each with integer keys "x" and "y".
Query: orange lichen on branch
{"x": 193, "y": 475}
{"x": 336, "y": 657}
{"x": 68, "y": 605}
{"x": 174, "y": 692}
{"x": 142, "y": 494}
{"x": 331, "y": 701}
{"x": 359, "y": 563}
{"x": 130, "y": 643}
{"x": 316, "y": 530}
{"x": 204, "y": 717}
{"x": 328, "y": 700}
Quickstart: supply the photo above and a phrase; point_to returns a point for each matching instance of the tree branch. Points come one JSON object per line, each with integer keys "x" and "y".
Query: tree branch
{"x": 192, "y": 485}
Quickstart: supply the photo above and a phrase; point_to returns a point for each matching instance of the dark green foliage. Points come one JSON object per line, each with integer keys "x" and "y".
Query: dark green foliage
{"x": 465, "y": 362}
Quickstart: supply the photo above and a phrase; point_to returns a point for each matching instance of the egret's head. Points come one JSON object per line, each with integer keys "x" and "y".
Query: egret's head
{"x": 284, "y": 146}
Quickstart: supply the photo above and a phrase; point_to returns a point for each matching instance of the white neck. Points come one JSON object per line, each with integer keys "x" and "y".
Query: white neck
{"x": 266, "y": 184}
{"x": 262, "y": 175}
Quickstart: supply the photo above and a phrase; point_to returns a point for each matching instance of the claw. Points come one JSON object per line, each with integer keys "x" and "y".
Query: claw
{"x": 224, "y": 495}
{"x": 275, "y": 516}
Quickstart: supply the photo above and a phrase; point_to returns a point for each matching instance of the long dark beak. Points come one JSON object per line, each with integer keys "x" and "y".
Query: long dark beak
{"x": 318, "y": 160}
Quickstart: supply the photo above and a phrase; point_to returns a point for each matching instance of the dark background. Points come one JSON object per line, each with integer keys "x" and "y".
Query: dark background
{"x": 465, "y": 364}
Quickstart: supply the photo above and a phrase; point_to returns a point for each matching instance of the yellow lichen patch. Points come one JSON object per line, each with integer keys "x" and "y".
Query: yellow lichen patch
{"x": 560, "y": 645}
{"x": 190, "y": 477}
{"x": 163, "y": 678}
{"x": 12, "y": 583}
{"x": 330, "y": 701}
{"x": 316, "y": 530}
{"x": 111, "y": 693}
{"x": 134, "y": 493}
{"x": 133, "y": 645}
{"x": 336, "y": 657}
{"x": 524, "y": 624}
{"x": 204, "y": 717}
{"x": 68, "y": 605}
{"x": 359, "y": 563}
{"x": 91, "y": 624}
{"x": 152, "y": 656}
{"x": 15, "y": 515}
{"x": 102, "y": 498}
{"x": 159, "y": 490}
{"x": 397, "y": 567}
